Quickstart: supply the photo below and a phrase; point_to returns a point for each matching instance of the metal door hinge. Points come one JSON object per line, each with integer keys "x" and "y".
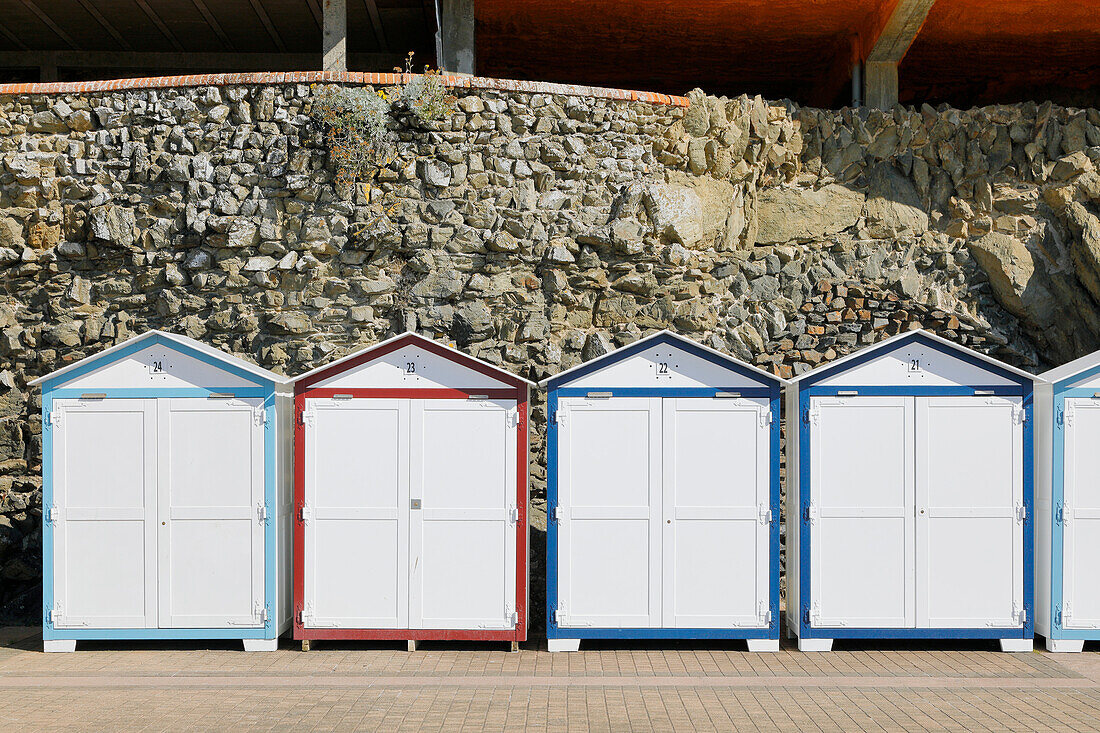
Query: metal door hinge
{"x": 259, "y": 416}
{"x": 1062, "y": 515}
{"x": 559, "y": 614}
{"x": 261, "y": 512}
{"x": 764, "y": 612}
{"x": 1021, "y": 513}
{"x": 557, "y": 515}
{"x": 513, "y": 417}
{"x": 510, "y": 616}
{"x": 513, "y": 514}
{"x": 54, "y": 419}
{"x": 53, "y": 616}
{"x": 307, "y": 418}
{"x": 559, "y": 417}
{"x": 1019, "y": 615}
{"x": 815, "y": 613}
{"x": 1065, "y": 416}
{"x": 305, "y": 514}
{"x": 305, "y": 616}
{"x": 260, "y": 612}
{"x": 52, "y": 514}
{"x": 765, "y": 418}
{"x": 764, "y": 514}
{"x": 1019, "y": 414}
{"x": 809, "y": 514}
{"x": 1062, "y": 615}
{"x": 811, "y": 416}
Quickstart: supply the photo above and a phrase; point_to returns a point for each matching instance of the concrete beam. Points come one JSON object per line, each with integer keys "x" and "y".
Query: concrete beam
{"x": 209, "y": 62}
{"x": 892, "y": 35}
{"x": 455, "y": 41}
{"x": 335, "y": 36}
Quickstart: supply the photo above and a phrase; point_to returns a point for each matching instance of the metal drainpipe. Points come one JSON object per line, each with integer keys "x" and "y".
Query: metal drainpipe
{"x": 438, "y": 35}
{"x": 857, "y": 84}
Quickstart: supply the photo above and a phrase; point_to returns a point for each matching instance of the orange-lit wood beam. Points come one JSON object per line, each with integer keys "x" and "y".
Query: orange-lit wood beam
{"x": 896, "y": 30}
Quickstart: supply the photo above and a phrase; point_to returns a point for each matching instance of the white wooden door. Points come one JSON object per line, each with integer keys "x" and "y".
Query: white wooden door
{"x": 104, "y": 513}
{"x": 609, "y": 523}
{"x": 861, "y": 515}
{"x": 716, "y": 474}
{"x": 462, "y": 514}
{"x": 211, "y": 512}
{"x": 1081, "y": 514}
{"x": 356, "y": 509}
{"x": 969, "y": 512}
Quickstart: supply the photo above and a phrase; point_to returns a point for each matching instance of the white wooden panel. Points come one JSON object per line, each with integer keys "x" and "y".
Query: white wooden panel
{"x": 104, "y": 470}
{"x": 861, "y": 532}
{"x": 715, "y": 506}
{"x": 357, "y": 497}
{"x": 411, "y": 367}
{"x": 914, "y": 365}
{"x": 210, "y": 504}
{"x": 462, "y": 539}
{"x": 793, "y": 522}
{"x": 969, "y": 537}
{"x": 157, "y": 365}
{"x": 1081, "y": 512}
{"x": 609, "y": 536}
{"x": 664, "y": 366}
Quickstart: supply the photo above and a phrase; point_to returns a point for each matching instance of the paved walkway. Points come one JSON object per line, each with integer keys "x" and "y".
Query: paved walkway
{"x": 633, "y": 686}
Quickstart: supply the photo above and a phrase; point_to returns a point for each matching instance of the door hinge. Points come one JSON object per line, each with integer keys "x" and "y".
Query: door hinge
{"x": 513, "y": 417}
{"x": 765, "y": 418}
{"x": 259, "y": 416}
{"x": 1019, "y": 414}
{"x": 510, "y": 616}
{"x": 1062, "y": 515}
{"x": 305, "y": 514}
{"x": 811, "y": 415}
{"x": 53, "y": 514}
{"x": 1021, "y": 513}
{"x": 809, "y": 514}
{"x": 307, "y": 418}
{"x": 53, "y": 616}
{"x": 54, "y": 420}
{"x": 261, "y": 512}
{"x": 764, "y": 514}
{"x": 1019, "y": 615}
{"x": 513, "y": 514}
{"x": 1065, "y": 416}
{"x": 557, "y": 515}
{"x": 305, "y": 616}
{"x": 1063, "y": 614}
{"x": 260, "y": 612}
{"x": 559, "y": 614}
{"x": 764, "y": 612}
{"x": 559, "y": 416}
{"x": 815, "y": 613}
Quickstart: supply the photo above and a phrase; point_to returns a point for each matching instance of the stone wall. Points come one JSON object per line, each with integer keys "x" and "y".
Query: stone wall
{"x": 533, "y": 230}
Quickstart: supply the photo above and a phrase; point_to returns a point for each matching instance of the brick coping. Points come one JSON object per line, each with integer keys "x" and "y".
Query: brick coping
{"x": 454, "y": 81}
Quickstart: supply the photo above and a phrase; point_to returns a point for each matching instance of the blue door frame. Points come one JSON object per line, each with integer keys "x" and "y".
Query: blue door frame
{"x": 1062, "y": 391}
{"x": 558, "y": 390}
{"x": 1023, "y": 388}
{"x": 264, "y": 389}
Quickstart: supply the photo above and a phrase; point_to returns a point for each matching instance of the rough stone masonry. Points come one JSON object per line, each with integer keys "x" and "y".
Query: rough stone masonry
{"x": 532, "y": 230}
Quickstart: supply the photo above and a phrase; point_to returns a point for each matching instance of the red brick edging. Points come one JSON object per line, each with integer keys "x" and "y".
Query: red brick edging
{"x": 347, "y": 77}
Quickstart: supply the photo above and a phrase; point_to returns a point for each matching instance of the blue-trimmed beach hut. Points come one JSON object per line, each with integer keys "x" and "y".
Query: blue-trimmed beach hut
{"x": 910, "y": 497}
{"x": 166, "y": 493}
{"x": 663, "y": 497}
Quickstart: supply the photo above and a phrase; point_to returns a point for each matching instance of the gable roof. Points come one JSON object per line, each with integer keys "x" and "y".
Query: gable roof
{"x": 1076, "y": 368}
{"x": 395, "y": 342}
{"x": 899, "y": 340}
{"x": 689, "y": 345}
{"x": 184, "y": 343}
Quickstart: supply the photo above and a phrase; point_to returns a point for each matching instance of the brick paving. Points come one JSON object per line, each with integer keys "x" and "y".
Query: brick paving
{"x": 630, "y": 686}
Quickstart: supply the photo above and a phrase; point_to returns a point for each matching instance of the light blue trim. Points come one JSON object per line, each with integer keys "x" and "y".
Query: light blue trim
{"x": 747, "y": 392}
{"x": 144, "y": 393}
{"x": 872, "y": 391}
{"x": 264, "y": 390}
{"x": 49, "y": 634}
{"x": 552, "y": 477}
{"x": 805, "y": 391}
{"x": 96, "y": 361}
{"x": 1061, "y": 385}
{"x": 664, "y": 339}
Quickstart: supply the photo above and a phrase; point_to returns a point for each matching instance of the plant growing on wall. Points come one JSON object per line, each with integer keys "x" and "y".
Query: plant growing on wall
{"x": 361, "y": 124}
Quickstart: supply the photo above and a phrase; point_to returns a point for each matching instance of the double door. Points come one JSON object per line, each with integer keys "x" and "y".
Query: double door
{"x": 663, "y": 513}
{"x": 410, "y": 514}
{"x": 916, "y": 512}
{"x": 157, "y": 513}
{"x": 1079, "y": 513}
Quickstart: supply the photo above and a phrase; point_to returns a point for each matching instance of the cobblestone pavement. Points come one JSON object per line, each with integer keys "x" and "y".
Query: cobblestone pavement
{"x": 625, "y": 686}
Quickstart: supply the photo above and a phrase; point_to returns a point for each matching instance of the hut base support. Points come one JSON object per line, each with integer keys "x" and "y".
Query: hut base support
{"x": 412, "y": 645}
{"x": 1065, "y": 645}
{"x": 305, "y": 645}
{"x": 514, "y": 647}
{"x": 763, "y": 645}
{"x": 59, "y": 645}
{"x": 261, "y": 645}
{"x": 563, "y": 645}
{"x": 1017, "y": 645}
{"x": 815, "y": 645}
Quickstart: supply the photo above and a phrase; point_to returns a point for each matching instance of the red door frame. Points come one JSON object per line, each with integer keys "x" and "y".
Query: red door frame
{"x": 518, "y": 392}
